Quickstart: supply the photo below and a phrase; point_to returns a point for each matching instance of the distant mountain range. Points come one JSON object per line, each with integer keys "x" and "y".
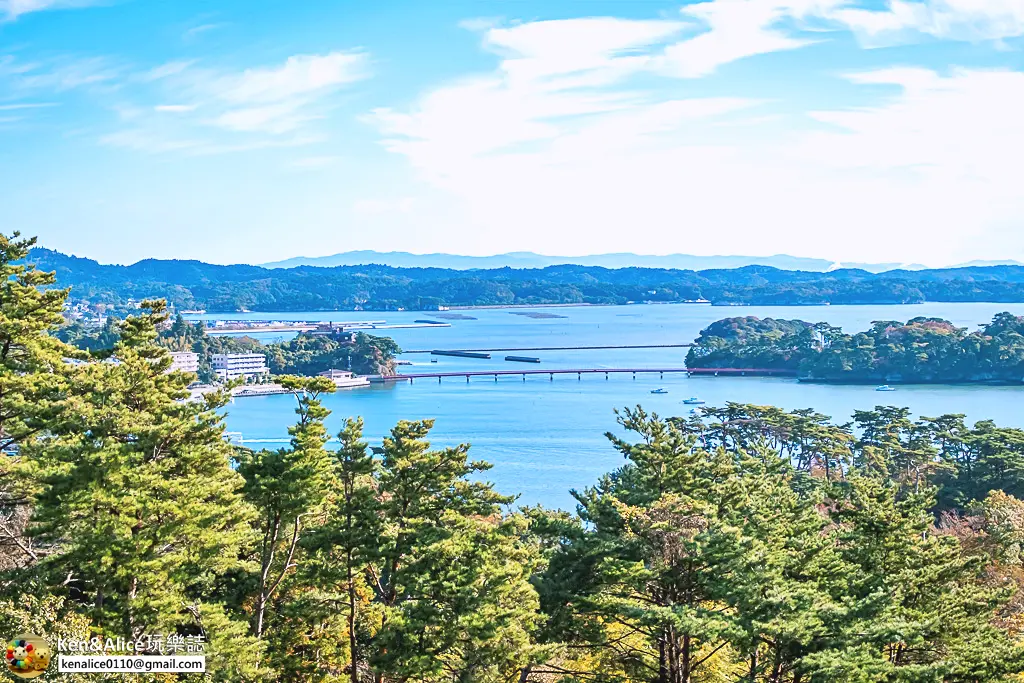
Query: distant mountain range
{"x": 197, "y": 285}
{"x": 528, "y": 259}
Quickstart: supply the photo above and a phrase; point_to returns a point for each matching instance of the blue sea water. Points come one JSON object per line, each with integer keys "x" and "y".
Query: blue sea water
{"x": 545, "y": 437}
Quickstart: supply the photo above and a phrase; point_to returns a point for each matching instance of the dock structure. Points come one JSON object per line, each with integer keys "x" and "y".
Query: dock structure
{"x": 461, "y": 354}
{"x": 579, "y": 372}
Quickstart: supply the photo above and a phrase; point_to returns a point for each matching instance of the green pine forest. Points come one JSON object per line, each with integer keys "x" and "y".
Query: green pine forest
{"x": 920, "y": 350}
{"x": 754, "y": 545}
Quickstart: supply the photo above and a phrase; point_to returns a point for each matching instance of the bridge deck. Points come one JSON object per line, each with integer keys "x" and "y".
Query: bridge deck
{"x": 585, "y": 371}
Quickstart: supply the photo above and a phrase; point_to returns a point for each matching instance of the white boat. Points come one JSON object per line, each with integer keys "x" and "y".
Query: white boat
{"x": 659, "y": 391}
{"x": 694, "y": 411}
{"x": 885, "y": 387}
{"x": 693, "y": 401}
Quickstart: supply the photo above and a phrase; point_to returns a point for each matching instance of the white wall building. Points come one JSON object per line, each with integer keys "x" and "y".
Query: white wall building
{"x": 233, "y": 365}
{"x": 185, "y": 361}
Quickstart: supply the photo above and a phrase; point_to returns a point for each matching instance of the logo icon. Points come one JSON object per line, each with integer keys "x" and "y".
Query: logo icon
{"x": 27, "y": 656}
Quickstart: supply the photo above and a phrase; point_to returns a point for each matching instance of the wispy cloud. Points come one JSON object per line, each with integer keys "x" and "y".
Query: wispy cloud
{"x": 967, "y": 20}
{"x": 176, "y": 108}
{"x": 580, "y": 136}
{"x": 61, "y": 74}
{"x": 315, "y": 162}
{"x": 736, "y": 29}
{"x": 206, "y": 104}
{"x": 12, "y": 9}
{"x": 26, "y": 105}
{"x": 196, "y": 31}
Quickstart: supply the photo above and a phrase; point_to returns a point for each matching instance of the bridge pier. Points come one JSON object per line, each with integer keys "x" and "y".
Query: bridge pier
{"x": 579, "y": 375}
{"x": 467, "y": 379}
{"x": 551, "y": 376}
{"x": 524, "y": 376}
{"x": 495, "y": 378}
{"x": 439, "y": 379}
{"x": 606, "y": 375}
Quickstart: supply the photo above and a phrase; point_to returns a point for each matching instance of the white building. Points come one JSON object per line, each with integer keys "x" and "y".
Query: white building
{"x": 185, "y": 361}
{"x": 233, "y": 365}
{"x": 343, "y": 379}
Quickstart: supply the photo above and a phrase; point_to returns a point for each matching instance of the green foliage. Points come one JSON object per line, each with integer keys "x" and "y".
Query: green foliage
{"x": 921, "y": 350}
{"x": 708, "y": 556}
{"x": 286, "y": 487}
{"x": 190, "y": 285}
{"x": 306, "y": 354}
{"x": 139, "y": 509}
{"x": 309, "y": 354}
{"x": 750, "y": 544}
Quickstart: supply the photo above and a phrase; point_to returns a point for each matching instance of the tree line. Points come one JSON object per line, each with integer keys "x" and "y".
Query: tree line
{"x": 920, "y": 350}
{"x": 746, "y": 544}
{"x": 193, "y": 284}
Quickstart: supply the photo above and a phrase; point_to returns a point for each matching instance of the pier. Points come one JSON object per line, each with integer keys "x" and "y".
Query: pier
{"x": 579, "y": 372}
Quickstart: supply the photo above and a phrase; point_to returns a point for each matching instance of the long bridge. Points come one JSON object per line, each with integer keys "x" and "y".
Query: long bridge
{"x": 579, "y": 372}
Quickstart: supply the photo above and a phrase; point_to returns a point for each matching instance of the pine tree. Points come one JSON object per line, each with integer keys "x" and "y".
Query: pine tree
{"x": 286, "y": 487}
{"x": 33, "y": 383}
{"x": 139, "y": 500}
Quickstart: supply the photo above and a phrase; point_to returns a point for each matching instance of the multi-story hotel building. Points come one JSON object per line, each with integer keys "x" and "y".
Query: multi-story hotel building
{"x": 185, "y": 361}
{"x": 233, "y": 365}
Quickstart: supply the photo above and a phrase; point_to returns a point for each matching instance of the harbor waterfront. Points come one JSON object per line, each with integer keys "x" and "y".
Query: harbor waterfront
{"x": 545, "y": 436}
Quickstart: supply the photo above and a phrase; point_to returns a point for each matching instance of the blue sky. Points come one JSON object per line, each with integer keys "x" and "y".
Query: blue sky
{"x": 252, "y": 131}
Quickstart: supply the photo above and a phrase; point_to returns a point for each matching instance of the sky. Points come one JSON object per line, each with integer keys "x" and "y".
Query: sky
{"x": 247, "y": 131}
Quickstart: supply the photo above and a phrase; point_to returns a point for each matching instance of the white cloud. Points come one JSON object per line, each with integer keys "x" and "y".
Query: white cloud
{"x": 12, "y": 9}
{"x": 567, "y": 150}
{"x": 315, "y": 162}
{"x": 62, "y": 74}
{"x": 261, "y": 107}
{"x": 374, "y": 206}
{"x": 176, "y": 108}
{"x": 299, "y": 77}
{"x": 737, "y": 29}
{"x": 970, "y": 20}
{"x": 196, "y": 31}
{"x": 26, "y": 105}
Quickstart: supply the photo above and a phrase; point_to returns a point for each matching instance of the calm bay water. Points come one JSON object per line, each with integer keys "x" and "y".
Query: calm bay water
{"x": 545, "y": 437}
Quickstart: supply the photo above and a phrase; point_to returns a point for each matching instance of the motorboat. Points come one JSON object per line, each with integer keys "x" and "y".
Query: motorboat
{"x": 659, "y": 391}
{"x": 693, "y": 401}
{"x": 885, "y": 387}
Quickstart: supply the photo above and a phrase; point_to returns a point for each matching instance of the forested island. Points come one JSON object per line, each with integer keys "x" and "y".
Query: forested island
{"x": 921, "y": 350}
{"x": 187, "y": 285}
{"x": 747, "y": 544}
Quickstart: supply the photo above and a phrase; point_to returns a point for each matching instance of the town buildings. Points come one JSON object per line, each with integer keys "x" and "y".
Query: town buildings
{"x": 184, "y": 361}
{"x": 233, "y": 365}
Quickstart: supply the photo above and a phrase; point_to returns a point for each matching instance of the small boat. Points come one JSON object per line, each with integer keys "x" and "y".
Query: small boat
{"x": 694, "y": 411}
{"x": 433, "y": 360}
{"x": 659, "y": 391}
{"x": 693, "y": 401}
{"x": 885, "y": 387}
